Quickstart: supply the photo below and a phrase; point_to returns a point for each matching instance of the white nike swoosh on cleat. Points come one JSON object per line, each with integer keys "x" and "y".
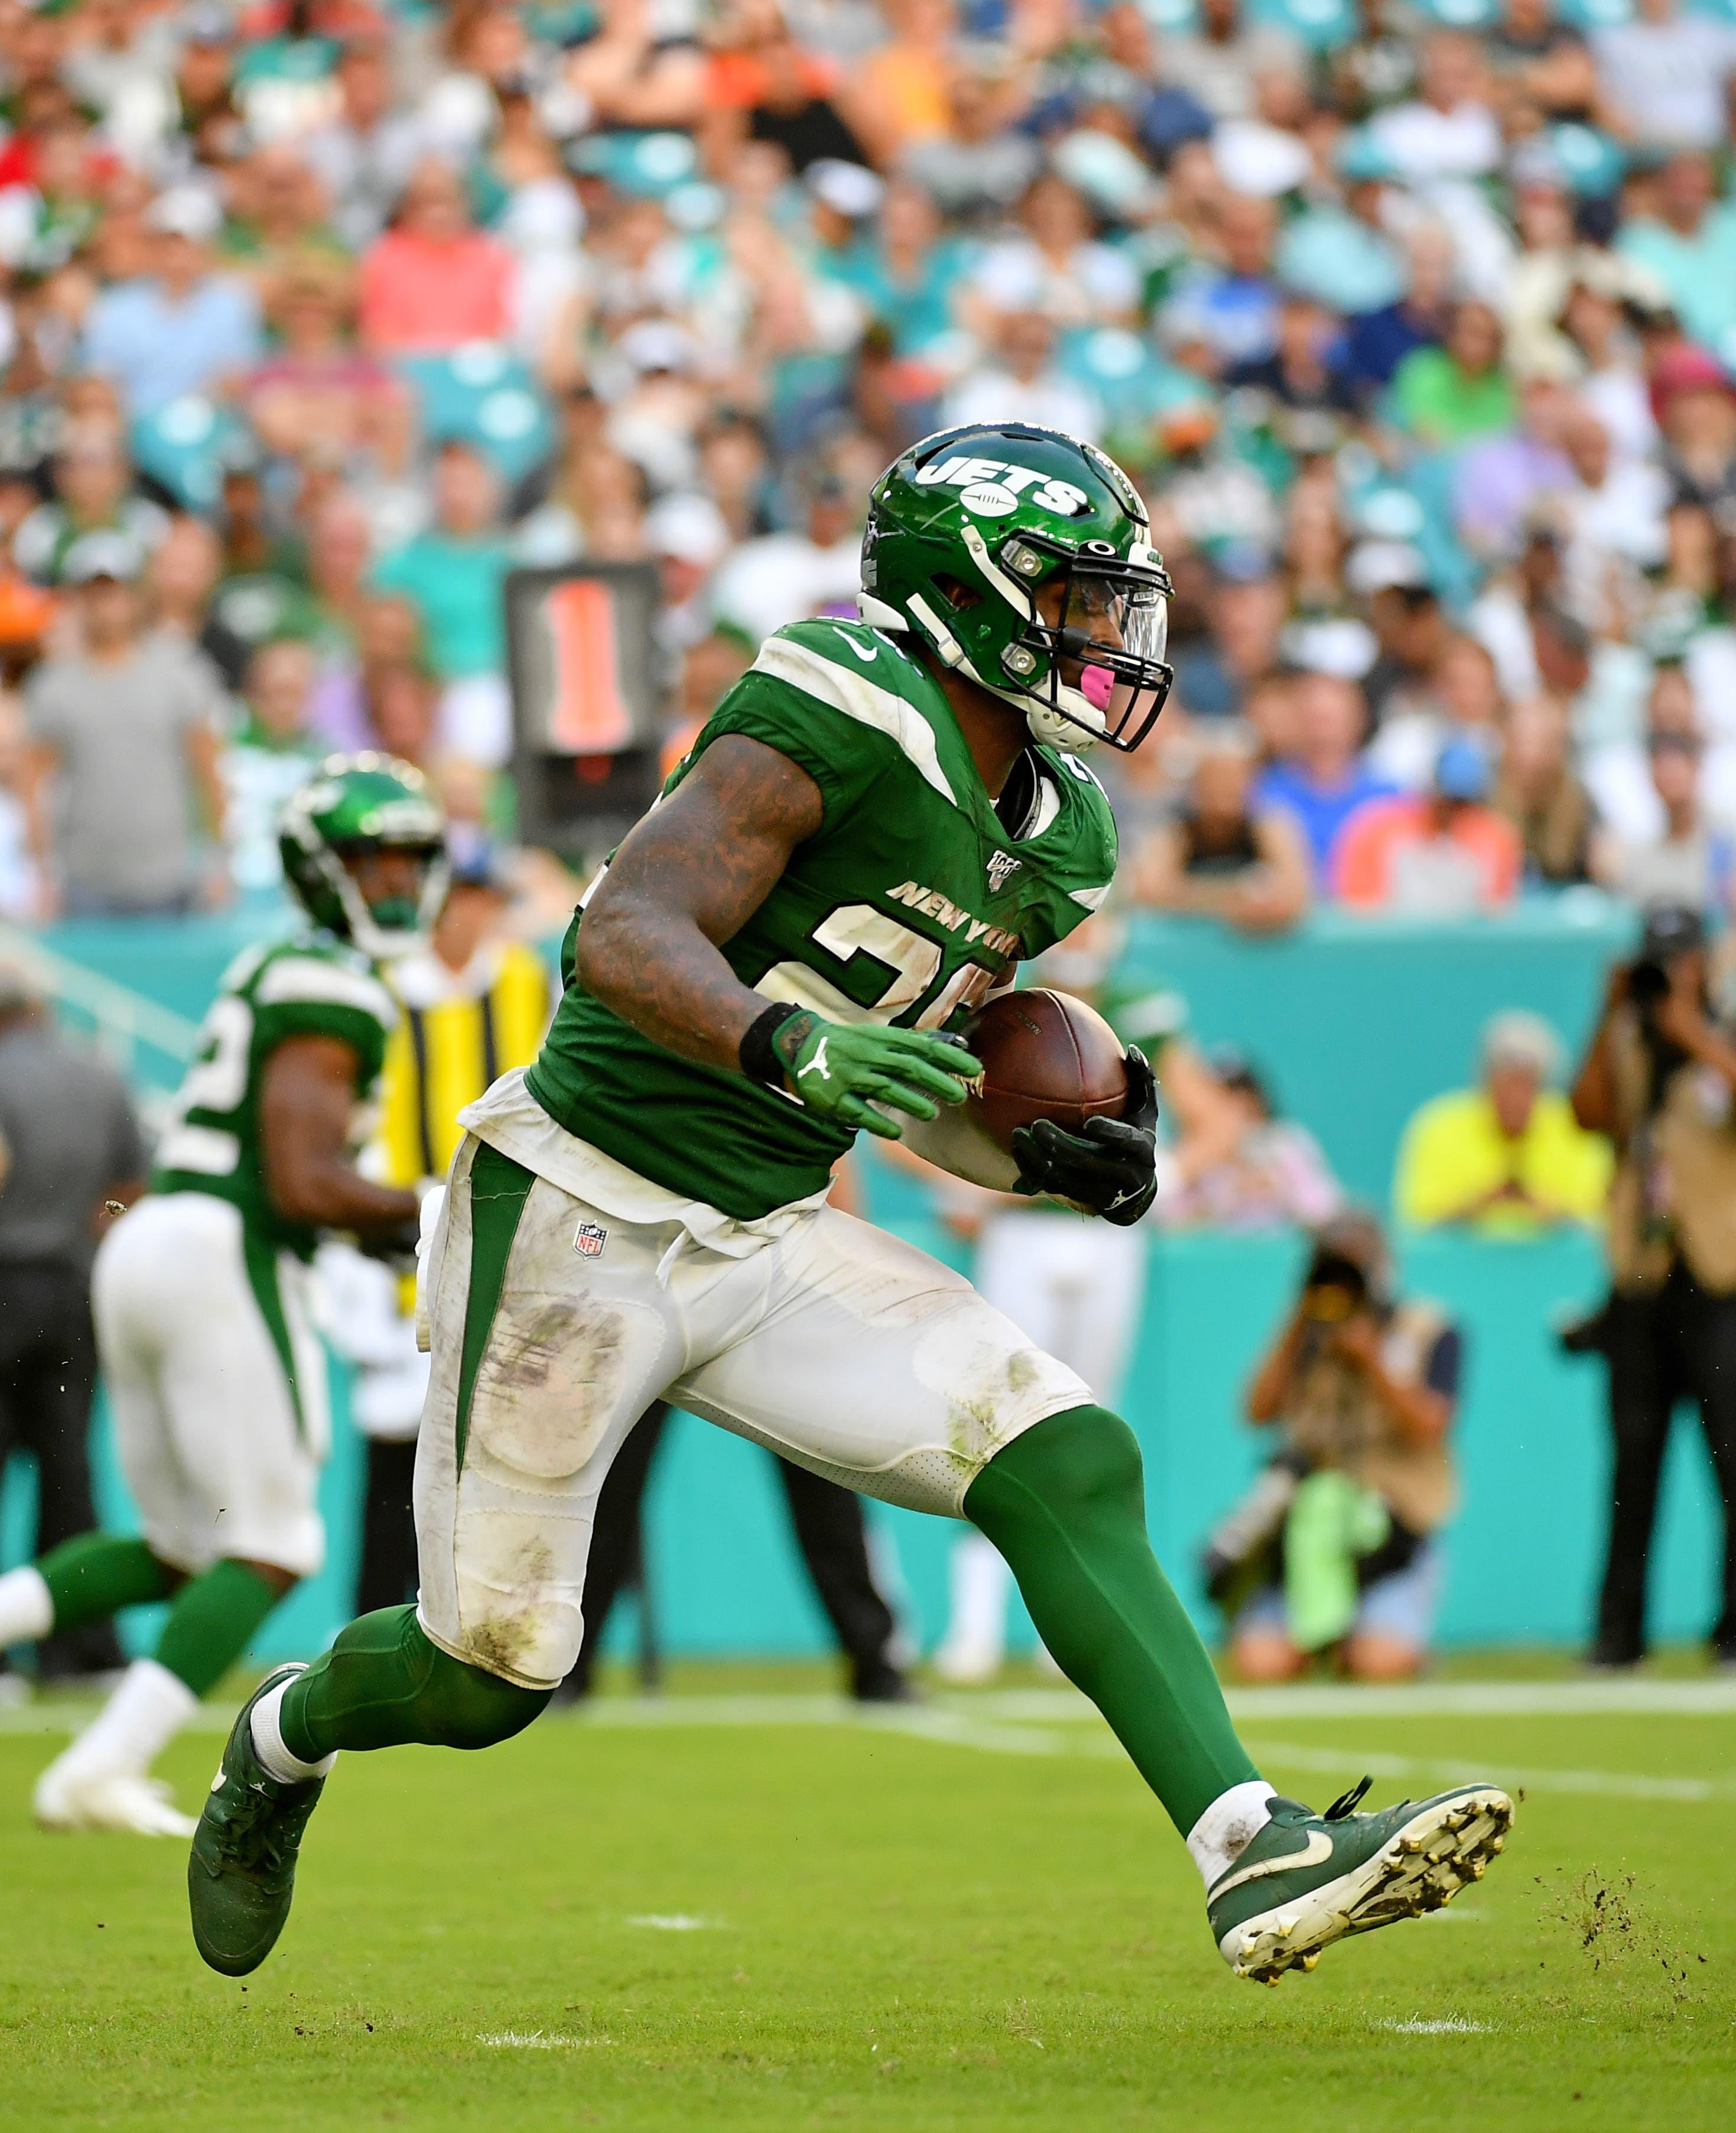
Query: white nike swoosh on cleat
{"x": 1318, "y": 1847}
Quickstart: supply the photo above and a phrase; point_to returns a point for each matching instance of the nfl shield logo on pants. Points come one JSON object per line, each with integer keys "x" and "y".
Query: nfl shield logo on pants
{"x": 589, "y": 1240}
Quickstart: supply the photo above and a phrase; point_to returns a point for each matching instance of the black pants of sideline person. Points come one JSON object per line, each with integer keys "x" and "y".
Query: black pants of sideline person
{"x": 47, "y": 1381}
{"x": 386, "y": 1575}
{"x": 1677, "y": 1343}
{"x": 829, "y": 1531}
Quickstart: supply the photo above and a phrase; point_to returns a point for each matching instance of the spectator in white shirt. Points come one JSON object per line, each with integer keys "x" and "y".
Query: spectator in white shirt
{"x": 1448, "y": 131}
{"x": 363, "y": 159}
{"x": 1687, "y": 858}
{"x": 1055, "y": 264}
{"x": 1024, "y": 386}
{"x": 785, "y": 577}
{"x": 1612, "y": 515}
{"x": 1666, "y": 74}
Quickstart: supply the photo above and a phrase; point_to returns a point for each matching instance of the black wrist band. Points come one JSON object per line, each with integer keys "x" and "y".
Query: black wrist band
{"x": 759, "y": 1061}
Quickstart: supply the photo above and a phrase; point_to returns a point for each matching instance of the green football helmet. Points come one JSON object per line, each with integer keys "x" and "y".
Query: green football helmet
{"x": 1023, "y": 558}
{"x": 353, "y": 808}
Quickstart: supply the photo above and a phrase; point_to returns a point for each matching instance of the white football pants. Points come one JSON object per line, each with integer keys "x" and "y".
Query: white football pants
{"x": 1075, "y": 1286}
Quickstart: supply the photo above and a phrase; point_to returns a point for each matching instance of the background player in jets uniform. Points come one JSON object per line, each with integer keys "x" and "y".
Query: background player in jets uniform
{"x": 875, "y": 823}
{"x": 216, "y": 1384}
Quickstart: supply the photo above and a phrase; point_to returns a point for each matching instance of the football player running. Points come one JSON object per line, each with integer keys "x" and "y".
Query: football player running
{"x": 879, "y": 821}
{"x": 216, "y": 1382}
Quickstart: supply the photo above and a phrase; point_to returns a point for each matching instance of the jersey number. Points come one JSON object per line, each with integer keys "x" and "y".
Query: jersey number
{"x": 216, "y": 1083}
{"x": 220, "y": 1081}
{"x": 889, "y": 967}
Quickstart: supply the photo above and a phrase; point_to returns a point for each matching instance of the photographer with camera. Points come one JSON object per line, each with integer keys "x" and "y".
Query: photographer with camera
{"x": 1332, "y": 1552}
{"x": 1659, "y": 1078}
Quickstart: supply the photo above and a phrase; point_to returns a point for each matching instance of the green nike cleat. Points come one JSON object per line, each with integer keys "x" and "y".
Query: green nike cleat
{"x": 240, "y": 1875}
{"x": 1308, "y": 1880}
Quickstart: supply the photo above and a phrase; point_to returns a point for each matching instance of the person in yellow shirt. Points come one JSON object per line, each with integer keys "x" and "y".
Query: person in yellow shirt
{"x": 1508, "y": 1157}
{"x": 475, "y": 1006}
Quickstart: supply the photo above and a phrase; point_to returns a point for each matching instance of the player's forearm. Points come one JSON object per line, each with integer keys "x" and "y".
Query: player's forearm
{"x": 330, "y": 1194}
{"x": 655, "y": 969}
{"x": 689, "y": 875}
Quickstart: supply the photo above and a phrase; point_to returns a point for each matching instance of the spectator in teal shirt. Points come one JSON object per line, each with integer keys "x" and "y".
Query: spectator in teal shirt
{"x": 453, "y": 570}
{"x": 907, "y": 273}
{"x": 1690, "y": 245}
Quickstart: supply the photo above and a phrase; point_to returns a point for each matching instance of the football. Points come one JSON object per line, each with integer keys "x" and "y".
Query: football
{"x": 1045, "y": 1055}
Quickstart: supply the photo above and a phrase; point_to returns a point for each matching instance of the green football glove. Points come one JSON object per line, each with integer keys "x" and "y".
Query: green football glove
{"x": 842, "y": 1070}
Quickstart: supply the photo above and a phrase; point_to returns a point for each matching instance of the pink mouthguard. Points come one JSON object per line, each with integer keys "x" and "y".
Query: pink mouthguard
{"x": 1097, "y": 685}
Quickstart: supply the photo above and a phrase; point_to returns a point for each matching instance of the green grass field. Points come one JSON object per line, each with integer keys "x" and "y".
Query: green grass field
{"x": 744, "y": 1909}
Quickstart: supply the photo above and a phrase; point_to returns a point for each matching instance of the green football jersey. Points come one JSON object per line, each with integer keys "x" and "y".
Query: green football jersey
{"x": 308, "y": 986}
{"x": 908, "y": 904}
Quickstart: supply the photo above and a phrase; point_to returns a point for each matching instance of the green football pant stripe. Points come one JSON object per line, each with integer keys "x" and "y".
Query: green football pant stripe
{"x": 94, "y": 1575}
{"x": 212, "y": 1623}
{"x": 261, "y": 1259}
{"x": 498, "y": 1188}
{"x": 1064, "y": 1504}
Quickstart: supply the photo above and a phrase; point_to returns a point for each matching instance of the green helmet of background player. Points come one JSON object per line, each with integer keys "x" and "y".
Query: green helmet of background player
{"x": 353, "y": 808}
{"x": 1023, "y": 558}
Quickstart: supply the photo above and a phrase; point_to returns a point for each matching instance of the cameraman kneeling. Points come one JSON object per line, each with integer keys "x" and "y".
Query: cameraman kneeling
{"x": 1660, "y": 1079}
{"x": 1332, "y": 1550}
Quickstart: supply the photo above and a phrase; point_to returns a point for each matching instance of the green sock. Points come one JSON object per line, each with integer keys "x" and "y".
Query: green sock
{"x": 212, "y": 1623}
{"x": 1065, "y": 1504}
{"x": 94, "y": 1575}
{"x": 383, "y": 1685}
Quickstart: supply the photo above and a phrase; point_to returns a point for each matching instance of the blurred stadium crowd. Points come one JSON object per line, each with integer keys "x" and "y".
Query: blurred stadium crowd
{"x": 1416, "y": 323}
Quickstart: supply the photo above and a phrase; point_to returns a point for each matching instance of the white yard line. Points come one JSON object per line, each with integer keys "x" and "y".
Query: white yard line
{"x": 1002, "y": 1724}
{"x": 1711, "y": 1699}
{"x": 1099, "y": 1745}
{"x": 1619, "y": 1784}
{"x": 535, "y": 2040}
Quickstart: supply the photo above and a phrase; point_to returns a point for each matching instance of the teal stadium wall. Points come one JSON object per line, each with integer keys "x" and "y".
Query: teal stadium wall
{"x": 1358, "y": 1022}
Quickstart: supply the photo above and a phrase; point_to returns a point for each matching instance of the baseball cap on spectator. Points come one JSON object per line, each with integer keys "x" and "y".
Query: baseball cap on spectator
{"x": 103, "y": 555}
{"x": 1534, "y": 161}
{"x": 1241, "y": 563}
{"x": 1671, "y": 929}
{"x": 476, "y": 862}
{"x": 689, "y": 527}
{"x": 207, "y": 25}
{"x": 1115, "y": 180}
{"x": 1260, "y": 159}
{"x": 1360, "y": 160}
{"x": 1686, "y": 369}
{"x": 846, "y": 188}
{"x": 1335, "y": 644}
{"x": 1609, "y": 274}
{"x": 1380, "y": 567}
{"x": 1462, "y": 771}
{"x": 1518, "y": 1038}
{"x": 186, "y": 211}
{"x": 1590, "y": 162}
{"x": 658, "y": 345}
